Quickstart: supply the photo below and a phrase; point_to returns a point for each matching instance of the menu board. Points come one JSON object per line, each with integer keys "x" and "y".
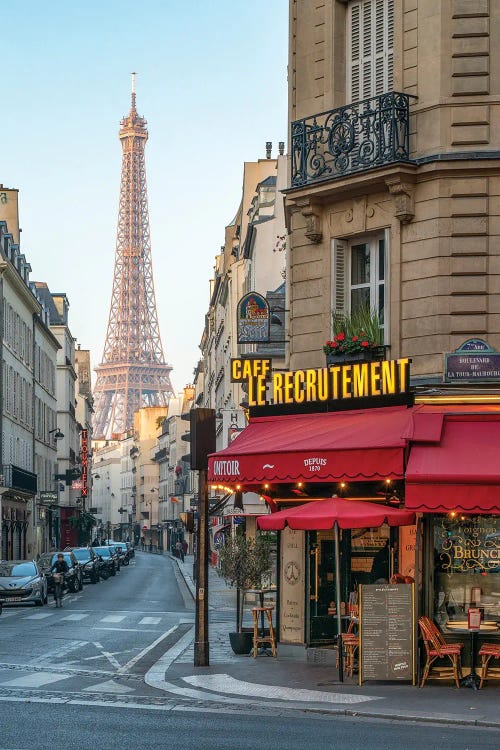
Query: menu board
{"x": 387, "y": 631}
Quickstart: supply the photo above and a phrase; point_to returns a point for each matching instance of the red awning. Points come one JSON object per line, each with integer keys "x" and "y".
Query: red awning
{"x": 461, "y": 470}
{"x": 365, "y": 445}
{"x": 323, "y": 514}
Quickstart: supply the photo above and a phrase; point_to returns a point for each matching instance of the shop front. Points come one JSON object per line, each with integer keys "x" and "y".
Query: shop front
{"x": 453, "y": 483}
{"x": 312, "y": 438}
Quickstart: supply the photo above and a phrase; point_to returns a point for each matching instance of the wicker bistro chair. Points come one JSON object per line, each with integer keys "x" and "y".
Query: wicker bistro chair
{"x": 437, "y": 648}
{"x": 487, "y": 652}
{"x": 350, "y": 645}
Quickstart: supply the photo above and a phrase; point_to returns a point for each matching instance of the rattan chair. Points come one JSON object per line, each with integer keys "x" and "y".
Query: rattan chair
{"x": 487, "y": 652}
{"x": 437, "y": 648}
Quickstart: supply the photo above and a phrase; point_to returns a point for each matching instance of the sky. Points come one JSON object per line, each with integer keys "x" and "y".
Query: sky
{"x": 212, "y": 84}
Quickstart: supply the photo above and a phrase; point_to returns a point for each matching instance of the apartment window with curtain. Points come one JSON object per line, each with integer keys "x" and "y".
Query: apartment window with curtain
{"x": 360, "y": 276}
{"x": 370, "y": 42}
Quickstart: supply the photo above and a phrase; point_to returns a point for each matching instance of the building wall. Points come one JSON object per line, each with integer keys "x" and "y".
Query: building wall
{"x": 440, "y": 213}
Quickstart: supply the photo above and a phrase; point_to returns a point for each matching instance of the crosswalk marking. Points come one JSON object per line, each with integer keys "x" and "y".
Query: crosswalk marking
{"x": 39, "y": 616}
{"x": 150, "y": 621}
{"x": 37, "y": 679}
{"x": 113, "y": 618}
{"x": 75, "y": 618}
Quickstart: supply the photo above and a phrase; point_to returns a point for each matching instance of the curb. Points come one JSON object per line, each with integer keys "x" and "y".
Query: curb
{"x": 188, "y": 581}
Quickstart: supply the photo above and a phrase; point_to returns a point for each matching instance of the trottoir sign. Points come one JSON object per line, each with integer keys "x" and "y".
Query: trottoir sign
{"x": 473, "y": 361}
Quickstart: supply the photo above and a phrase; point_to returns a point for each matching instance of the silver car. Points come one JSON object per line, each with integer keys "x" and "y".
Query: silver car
{"x": 22, "y": 581}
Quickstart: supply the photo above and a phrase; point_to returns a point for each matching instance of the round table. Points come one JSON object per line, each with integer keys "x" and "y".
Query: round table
{"x": 472, "y": 680}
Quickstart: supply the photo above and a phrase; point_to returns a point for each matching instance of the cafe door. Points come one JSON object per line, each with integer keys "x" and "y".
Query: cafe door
{"x": 321, "y": 598}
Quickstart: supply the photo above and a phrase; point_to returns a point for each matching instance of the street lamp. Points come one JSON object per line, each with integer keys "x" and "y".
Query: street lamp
{"x": 58, "y": 435}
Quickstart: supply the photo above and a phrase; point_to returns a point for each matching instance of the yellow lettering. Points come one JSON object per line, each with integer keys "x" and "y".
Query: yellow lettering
{"x": 260, "y": 389}
{"x": 403, "y": 365}
{"x": 388, "y": 377}
{"x": 298, "y": 389}
{"x": 288, "y": 387}
{"x": 458, "y": 552}
{"x": 360, "y": 380}
{"x": 247, "y": 369}
{"x": 334, "y": 371}
{"x": 277, "y": 388}
{"x": 323, "y": 384}
{"x": 311, "y": 376}
{"x": 251, "y": 392}
{"x": 375, "y": 378}
{"x": 236, "y": 369}
{"x": 346, "y": 381}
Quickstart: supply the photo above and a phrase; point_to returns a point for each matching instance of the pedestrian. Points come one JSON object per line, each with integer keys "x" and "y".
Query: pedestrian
{"x": 180, "y": 550}
{"x": 185, "y": 547}
{"x": 59, "y": 567}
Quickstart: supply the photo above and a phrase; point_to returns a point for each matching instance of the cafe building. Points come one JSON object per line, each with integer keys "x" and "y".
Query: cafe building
{"x": 360, "y": 431}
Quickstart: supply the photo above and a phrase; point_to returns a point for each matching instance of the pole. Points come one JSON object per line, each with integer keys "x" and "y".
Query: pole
{"x": 201, "y": 644}
{"x": 337, "y": 588}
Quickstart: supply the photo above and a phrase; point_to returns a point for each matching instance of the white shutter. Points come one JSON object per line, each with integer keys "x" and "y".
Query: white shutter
{"x": 370, "y": 35}
{"x": 339, "y": 260}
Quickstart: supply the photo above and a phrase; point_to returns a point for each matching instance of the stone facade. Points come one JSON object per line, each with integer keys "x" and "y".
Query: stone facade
{"x": 438, "y": 210}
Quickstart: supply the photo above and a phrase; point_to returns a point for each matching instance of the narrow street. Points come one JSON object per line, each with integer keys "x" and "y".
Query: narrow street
{"x": 104, "y": 638}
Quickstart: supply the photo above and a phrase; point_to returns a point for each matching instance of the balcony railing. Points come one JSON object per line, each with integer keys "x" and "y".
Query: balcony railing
{"x": 18, "y": 479}
{"x": 350, "y": 139}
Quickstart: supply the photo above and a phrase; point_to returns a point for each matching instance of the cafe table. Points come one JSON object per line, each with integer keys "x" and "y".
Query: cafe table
{"x": 472, "y": 680}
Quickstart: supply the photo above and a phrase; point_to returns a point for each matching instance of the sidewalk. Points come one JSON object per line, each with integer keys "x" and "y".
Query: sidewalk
{"x": 285, "y": 684}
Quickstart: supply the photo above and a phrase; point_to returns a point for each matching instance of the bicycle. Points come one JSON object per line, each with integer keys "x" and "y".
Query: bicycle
{"x": 58, "y": 588}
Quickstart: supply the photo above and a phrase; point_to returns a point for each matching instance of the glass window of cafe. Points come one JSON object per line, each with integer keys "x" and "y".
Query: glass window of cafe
{"x": 466, "y": 567}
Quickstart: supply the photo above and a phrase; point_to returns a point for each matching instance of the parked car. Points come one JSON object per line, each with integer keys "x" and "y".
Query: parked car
{"x": 90, "y": 563}
{"x": 109, "y": 563}
{"x": 116, "y": 556}
{"x": 73, "y": 579}
{"x": 22, "y": 581}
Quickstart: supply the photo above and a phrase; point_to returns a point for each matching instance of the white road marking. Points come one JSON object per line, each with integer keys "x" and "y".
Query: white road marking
{"x": 108, "y": 655}
{"x": 35, "y": 680}
{"x": 108, "y": 687}
{"x": 150, "y": 621}
{"x": 224, "y": 683}
{"x": 127, "y": 630}
{"x": 112, "y": 618}
{"x": 75, "y": 618}
{"x": 39, "y": 616}
{"x": 126, "y": 667}
{"x": 58, "y": 652}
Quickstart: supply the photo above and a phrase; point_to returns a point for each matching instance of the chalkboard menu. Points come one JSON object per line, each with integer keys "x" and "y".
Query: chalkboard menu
{"x": 387, "y": 630}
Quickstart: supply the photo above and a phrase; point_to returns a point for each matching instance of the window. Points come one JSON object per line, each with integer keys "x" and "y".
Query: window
{"x": 359, "y": 271}
{"x": 466, "y": 568}
{"x": 370, "y": 39}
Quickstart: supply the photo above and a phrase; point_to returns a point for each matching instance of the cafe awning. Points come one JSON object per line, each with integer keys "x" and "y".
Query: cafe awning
{"x": 460, "y": 469}
{"x": 360, "y": 445}
{"x": 324, "y": 514}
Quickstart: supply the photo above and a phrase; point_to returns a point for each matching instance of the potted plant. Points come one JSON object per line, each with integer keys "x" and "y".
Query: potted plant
{"x": 357, "y": 337}
{"x": 245, "y": 562}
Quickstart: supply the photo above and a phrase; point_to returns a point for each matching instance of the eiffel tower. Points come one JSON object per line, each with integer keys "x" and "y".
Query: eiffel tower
{"x": 133, "y": 372}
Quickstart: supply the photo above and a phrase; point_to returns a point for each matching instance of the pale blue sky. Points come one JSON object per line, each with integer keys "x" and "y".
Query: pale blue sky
{"x": 211, "y": 81}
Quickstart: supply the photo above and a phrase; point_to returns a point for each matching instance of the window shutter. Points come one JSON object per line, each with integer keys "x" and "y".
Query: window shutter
{"x": 339, "y": 275}
{"x": 370, "y": 48}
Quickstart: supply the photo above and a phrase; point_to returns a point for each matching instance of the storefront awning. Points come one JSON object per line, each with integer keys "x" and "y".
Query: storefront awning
{"x": 361, "y": 445}
{"x": 324, "y": 514}
{"x": 460, "y": 471}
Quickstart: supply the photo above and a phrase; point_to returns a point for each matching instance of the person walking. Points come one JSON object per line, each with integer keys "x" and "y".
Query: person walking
{"x": 180, "y": 550}
{"x": 59, "y": 568}
{"x": 185, "y": 547}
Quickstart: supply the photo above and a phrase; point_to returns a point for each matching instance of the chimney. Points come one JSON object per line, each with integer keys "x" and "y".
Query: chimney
{"x": 281, "y": 148}
{"x": 269, "y": 146}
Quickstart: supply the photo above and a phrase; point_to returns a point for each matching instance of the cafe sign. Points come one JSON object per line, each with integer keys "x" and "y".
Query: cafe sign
{"x": 253, "y": 319}
{"x": 334, "y": 383}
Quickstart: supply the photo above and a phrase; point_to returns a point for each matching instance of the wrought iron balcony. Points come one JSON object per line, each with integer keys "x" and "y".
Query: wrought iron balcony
{"x": 350, "y": 139}
{"x": 14, "y": 478}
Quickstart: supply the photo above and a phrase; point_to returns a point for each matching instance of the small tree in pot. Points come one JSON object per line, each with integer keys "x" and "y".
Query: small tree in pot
{"x": 246, "y": 563}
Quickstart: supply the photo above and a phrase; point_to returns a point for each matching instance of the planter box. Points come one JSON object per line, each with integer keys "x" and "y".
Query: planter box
{"x": 368, "y": 355}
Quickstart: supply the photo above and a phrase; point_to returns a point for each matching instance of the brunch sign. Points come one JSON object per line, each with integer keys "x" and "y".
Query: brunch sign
{"x": 332, "y": 383}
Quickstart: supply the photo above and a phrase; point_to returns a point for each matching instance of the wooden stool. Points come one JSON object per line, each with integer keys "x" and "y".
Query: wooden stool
{"x": 258, "y": 639}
